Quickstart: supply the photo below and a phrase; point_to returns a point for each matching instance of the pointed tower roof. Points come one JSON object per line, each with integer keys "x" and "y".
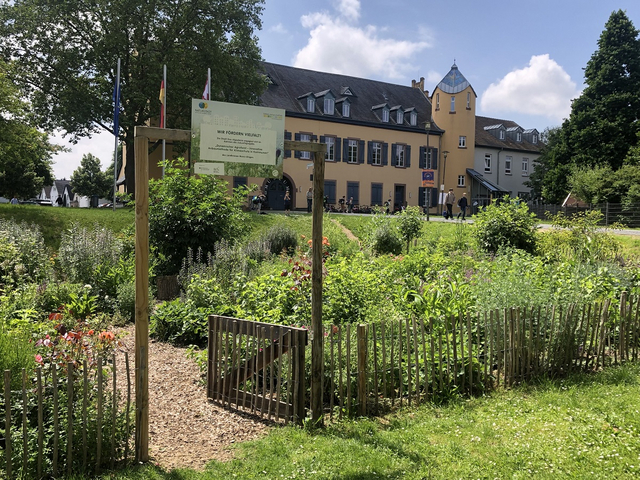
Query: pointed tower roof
{"x": 454, "y": 81}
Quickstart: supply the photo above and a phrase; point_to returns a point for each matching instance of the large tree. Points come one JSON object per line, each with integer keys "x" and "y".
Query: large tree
{"x": 602, "y": 129}
{"x": 604, "y": 120}
{"x": 89, "y": 180}
{"x": 25, "y": 152}
{"x": 67, "y": 52}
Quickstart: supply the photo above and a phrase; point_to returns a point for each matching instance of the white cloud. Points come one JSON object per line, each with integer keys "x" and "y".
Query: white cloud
{"x": 279, "y": 28}
{"x": 542, "y": 88}
{"x": 337, "y": 44}
{"x": 100, "y": 145}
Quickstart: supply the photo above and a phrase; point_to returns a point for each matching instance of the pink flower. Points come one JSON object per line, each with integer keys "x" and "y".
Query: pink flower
{"x": 39, "y": 358}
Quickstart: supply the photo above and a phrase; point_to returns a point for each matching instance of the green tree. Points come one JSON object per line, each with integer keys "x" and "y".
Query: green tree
{"x": 25, "y": 152}
{"x": 89, "y": 180}
{"x": 604, "y": 119}
{"x": 191, "y": 212}
{"x": 410, "y": 224}
{"x": 603, "y": 126}
{"x": 66, "y": 53}
{"x": 593, "y": 185}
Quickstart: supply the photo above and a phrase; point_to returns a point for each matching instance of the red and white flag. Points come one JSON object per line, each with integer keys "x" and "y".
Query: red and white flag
{"x": 205, "y": 94}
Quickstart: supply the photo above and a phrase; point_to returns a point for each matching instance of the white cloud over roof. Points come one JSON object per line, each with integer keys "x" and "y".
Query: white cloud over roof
{"x": 337, "y": 44}
{"x": 541, "y": 88}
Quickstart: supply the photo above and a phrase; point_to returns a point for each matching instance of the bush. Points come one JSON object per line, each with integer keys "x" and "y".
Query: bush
{"x": 410, "y": 224}
{"x": 85, "y": 252}
{"x": 504, "y": 224}
{"x": 281, "y": 238}
{"x": 23, "y": 254}
{"x": 180, "y": 323}
{"x": 190, "y": 212}
{"x": 386, "y": 240}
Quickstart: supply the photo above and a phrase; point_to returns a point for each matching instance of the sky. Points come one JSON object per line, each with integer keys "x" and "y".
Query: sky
{"x": 524, "y": 60}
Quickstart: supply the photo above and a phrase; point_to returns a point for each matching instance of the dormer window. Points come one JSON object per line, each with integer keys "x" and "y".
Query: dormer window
{"x": 385, "y": 115}
{"x": 346, "y": 109}
{"x": 399, "y": 117}
{"x": 329, "y": 106}
{"x": 518, "y": 137}
{"x": 501, "y": 135}
{"x": 535, "y": 139}
{"x": 311, "y": 104}
{"x": 413, "y": 119}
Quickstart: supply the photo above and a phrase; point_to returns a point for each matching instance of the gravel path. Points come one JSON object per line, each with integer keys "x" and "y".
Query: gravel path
{"x": 185, "y": 429}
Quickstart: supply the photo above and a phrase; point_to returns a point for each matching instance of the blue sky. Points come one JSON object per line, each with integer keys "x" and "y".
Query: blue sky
{"x": 525, "y": 60}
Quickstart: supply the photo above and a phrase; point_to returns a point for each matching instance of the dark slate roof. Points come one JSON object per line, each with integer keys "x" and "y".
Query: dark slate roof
{"x": 60, "y": 184}
{"x": 486, "y": 139}
{"x": 289, "y": 84}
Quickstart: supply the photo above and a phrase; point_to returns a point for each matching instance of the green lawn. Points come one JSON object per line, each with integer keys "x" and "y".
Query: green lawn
{"x": 587, "y": 426}
{"x": 53, "y": 220}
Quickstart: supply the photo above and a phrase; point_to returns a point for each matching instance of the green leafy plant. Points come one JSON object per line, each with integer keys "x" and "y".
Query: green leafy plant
{"x": 190, "y": 212}
{"x": 385, "y": 239}
{"x": 410, "y": 224}
{"x": 281, "y": 238}
{"x": 505, "y": 223}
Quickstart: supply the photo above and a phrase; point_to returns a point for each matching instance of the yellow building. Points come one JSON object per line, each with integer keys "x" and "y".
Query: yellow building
{"x": 377, "y": 136}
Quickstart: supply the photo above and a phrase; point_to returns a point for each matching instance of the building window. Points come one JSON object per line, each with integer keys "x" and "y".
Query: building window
{"x": 385, "y": 115}
{"x": 487, "y": 163}
{"x": 330, "y": 142}
{"x": 461, "y": 180}
{"x": 330, "y": 191}
{"x": 414, "y": 119}
{"x": 462, "y": 141}
{"x": 346, "y": 109}
{"x": 525, "y": 167}
{"x": 535, "y": 139}
{"x": 305, "y": 137}
{"x": 453, "y": 104}
{"x": 376, "y": 194}
{"x": 400, "y": 153}
{"x": 437, "y": 101}
{"x": 507, "y": 165}
{"x": 427, "y": 158}
{"x": 519, "y": 137}
{"x": 501, "y": 134}
{"x": 311, "y": 104}
{"x": 352, "y": 151}
{"x": 240, "y": 182}
{"x": 376, "y": 153}
{"x": 399, "y": 117}
{"x": 328, "y": 106}
{"x": 468, "y": 101}
{"x": 353, "y": 190}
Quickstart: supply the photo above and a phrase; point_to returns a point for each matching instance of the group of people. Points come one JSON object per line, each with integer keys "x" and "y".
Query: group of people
{"x": 449, "y": 200}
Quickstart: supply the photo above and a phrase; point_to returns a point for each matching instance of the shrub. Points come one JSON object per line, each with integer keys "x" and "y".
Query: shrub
{"x": 190, "y": 212}
{"x": 180, "y": 323}
{"x": 84, "y": 253}
{"x": 410, "y": 224}
{"x": 16, "y": 353}
{"x": 23, "y": 254}
{"x": 281, "y": 238}
{"x": 126, "y": 300}
{"x": 386, "y": 240}
{"x": 504, "y": 224}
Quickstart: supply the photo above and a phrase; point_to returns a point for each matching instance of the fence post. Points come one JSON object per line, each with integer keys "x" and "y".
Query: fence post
{"x": 362, "y": 369}
{"x": 606, "y": 214}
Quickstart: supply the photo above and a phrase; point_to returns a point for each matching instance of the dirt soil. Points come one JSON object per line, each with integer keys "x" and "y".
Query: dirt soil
{"x": 185, "y": 429}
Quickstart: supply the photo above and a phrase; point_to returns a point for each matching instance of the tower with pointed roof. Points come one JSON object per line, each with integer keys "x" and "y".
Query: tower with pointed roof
{"x": 454, "y": 110}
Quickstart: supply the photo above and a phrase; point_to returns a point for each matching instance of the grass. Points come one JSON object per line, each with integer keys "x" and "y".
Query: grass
{"x": 585, "y": 426}
{"x": 630, "y": 244}
{"x": 52, "y": 221}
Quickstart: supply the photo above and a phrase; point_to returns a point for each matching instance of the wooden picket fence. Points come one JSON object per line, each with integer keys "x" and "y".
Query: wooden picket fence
{"x": 42, "y": 421}
{"x": 257, "y": 367}
{"x": 371, "y": 368}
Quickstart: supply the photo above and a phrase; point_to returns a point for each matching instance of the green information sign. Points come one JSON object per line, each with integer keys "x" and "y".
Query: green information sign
{"x": 237, "y": 140}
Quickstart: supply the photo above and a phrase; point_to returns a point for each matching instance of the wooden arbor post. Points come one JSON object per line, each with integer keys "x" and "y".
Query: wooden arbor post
{"x": 141, "y": 148}
{"x": 317, "y": 335}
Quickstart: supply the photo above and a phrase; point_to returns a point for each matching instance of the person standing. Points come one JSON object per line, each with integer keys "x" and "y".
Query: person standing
{"x": 343, "y": 204}
{"x": 14, "y": 200}
{"x": 350, "y": 205}
{"x": 287, "y": 202}
{"x": 463, "y": 203}
{"x": 309, "y": 199}
{"x": 449, "y": 200}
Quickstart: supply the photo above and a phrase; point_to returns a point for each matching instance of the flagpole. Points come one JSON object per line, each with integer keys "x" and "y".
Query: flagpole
{"x": 209, "y": 83}
{"x": 116, "y": 114}
{"x": 164, "y": 114}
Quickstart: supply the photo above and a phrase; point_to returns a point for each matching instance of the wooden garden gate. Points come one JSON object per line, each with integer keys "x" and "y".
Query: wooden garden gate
{"x": 259, "y": 367}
